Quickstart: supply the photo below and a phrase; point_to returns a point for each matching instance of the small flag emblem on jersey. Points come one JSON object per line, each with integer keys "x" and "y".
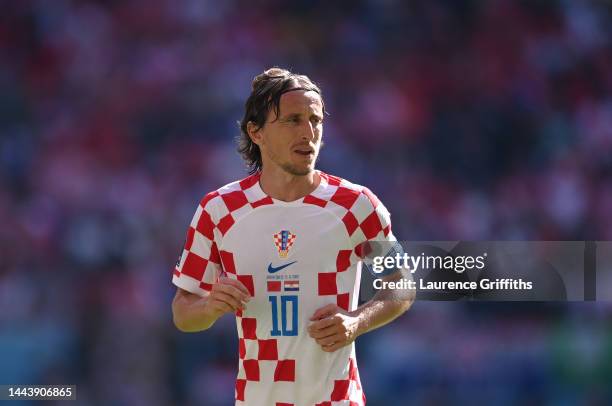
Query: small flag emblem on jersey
{"x": 274, "y": 286}
{"x": 291, "y": 285}
{"x": 283, "y": 241}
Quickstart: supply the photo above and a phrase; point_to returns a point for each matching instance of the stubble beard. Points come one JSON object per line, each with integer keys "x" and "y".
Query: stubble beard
{"x": 296, "y": 170}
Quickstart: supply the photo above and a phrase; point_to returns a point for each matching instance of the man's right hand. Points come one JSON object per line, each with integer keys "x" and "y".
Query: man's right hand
{"x": 195, "y": 313}
{"x": 227, "y": 296}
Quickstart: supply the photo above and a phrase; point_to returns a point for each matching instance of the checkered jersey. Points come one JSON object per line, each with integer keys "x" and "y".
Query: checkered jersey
{"x": 238, "y": 231}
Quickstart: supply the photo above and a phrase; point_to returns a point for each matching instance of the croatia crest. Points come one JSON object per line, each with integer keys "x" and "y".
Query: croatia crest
{"x": 283, "y": 241}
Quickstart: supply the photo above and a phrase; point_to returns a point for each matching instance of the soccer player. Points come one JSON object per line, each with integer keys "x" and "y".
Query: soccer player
{"x": 282, "y": 249}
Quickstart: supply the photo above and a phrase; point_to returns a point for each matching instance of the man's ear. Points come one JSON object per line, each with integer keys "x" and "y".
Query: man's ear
{"x": 254, "y": 132}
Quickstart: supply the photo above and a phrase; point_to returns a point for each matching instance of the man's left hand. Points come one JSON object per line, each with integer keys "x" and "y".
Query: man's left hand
{"x": 333, "y": 327}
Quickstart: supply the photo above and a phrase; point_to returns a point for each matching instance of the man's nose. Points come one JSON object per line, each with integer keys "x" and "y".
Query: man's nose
{"x": 308, "y": 131}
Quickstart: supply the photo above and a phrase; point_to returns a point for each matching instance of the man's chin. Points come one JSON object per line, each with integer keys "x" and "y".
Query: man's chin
{"x": 299, "y": 170}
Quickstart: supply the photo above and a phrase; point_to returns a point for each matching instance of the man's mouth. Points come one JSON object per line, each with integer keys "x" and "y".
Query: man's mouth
{"x": 304, "y": 151}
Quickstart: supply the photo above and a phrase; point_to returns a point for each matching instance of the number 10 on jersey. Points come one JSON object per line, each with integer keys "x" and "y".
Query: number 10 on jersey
{"x": 288, "y": 310}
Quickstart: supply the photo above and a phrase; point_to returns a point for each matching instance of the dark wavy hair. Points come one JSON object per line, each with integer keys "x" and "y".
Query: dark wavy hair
{"x": 267, "y": 89}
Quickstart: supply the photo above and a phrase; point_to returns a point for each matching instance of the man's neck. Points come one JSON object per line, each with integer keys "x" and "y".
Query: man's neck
{"x": 283, "y": 186}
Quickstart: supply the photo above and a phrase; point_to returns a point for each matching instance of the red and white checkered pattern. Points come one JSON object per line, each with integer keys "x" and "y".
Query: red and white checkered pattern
{"x": 201, "y": 262}
{"x": 259, "y": 359}
{"x": 230, "y": 235}
{"x": 328, "y": 283}
{"x": 347, "y": 391}
{"x": 365, "y": 219}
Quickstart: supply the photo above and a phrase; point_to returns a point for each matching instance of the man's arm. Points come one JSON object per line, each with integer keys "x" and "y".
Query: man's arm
{"x": 193, "y": 313}
{"x": 333, "y": 327}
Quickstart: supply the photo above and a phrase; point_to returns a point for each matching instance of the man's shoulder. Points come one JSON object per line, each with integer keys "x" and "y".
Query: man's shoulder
{"x": 346, "y": 188}
{"x": 233, "y": 195}
{"x": 337, "y": 181}
{"x": 364, "y": 216}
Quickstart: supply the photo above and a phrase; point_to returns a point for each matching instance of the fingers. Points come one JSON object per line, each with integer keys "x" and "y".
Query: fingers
{"x": 329, "y": 328}
{"x": 231, "y": 290}
{"x": 330, "y": 336}
{"x": 325, "y": 327}
{"x": 324, "y": 311}
{"x": 233, "y": 302}
{"x": 333, "y": 347}
{"x": 327, "y": 332}
{"x": 327, "y": 341}
{"x": 333, "y": 343}
{"x": 228, "y": 296}
{"x": 234, "y": 283}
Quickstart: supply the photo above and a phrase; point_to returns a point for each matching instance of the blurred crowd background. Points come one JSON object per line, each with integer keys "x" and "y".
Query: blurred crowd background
{"x": 469, "y": 119}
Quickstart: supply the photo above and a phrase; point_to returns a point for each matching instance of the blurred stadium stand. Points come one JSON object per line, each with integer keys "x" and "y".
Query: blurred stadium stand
{"x": 469, "y": 119}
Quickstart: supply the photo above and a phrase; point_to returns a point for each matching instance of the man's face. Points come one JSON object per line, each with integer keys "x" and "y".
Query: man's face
{"x": 292, "y": 140}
